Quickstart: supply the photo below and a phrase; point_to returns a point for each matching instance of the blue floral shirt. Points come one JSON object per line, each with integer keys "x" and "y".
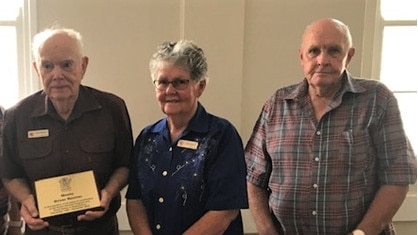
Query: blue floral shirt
{"x": 204, "y": 169}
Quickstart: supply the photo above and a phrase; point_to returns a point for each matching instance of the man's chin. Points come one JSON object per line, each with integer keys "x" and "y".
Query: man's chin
{"x": 59, "y": 97}
{"x": 323, "y": 77}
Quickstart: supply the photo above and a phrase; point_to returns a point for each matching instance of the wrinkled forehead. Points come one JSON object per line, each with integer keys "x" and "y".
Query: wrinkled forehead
{"x": 59, "y": 45}
{"x": 325, "y": 34}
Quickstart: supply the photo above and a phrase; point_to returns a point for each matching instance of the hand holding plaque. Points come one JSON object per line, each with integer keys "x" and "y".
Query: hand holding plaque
{"x": 66, "y": 194}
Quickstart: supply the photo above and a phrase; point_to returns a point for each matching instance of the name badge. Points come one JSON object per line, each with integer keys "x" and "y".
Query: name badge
{"x": 38, "y": 133}
{"x": 188, "y": 144}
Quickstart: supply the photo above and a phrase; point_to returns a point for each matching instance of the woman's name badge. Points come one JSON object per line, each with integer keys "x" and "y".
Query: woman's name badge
{"x": 66, "y": 194}
{"x": 188, "y": 144}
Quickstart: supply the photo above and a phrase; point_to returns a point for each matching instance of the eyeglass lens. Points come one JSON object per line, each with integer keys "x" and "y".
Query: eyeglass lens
{"x": 178, "y": 84}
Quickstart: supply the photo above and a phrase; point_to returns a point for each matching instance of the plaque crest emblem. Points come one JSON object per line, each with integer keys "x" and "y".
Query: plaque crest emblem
{"x": 65, "y": 184}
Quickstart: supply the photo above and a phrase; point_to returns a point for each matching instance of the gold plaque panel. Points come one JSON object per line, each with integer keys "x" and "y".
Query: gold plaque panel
{"x": 67, "y": 193}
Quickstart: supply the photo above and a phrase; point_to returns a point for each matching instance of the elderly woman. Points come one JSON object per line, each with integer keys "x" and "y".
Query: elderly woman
{"x": 188, "y": 171}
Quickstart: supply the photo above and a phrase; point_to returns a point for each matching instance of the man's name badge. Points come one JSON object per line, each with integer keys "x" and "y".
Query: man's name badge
{"x": 38, "y": 133}
{"x": 188, "y": 144}
{"x": 67, "y": 193}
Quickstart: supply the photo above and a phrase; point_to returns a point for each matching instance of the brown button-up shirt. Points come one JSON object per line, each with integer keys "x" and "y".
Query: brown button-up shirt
{"x": 39, "y": 144}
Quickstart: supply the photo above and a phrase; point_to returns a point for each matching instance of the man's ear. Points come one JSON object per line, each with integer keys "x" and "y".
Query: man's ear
{"x": 300, "y": 56}
{"x": 350, "y": 55}
{"x": 84, "y": 63}
{"x": 35, "y": 67}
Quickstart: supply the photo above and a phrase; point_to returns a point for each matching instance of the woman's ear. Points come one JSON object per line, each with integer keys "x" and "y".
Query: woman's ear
{"x": 201, "y": 87}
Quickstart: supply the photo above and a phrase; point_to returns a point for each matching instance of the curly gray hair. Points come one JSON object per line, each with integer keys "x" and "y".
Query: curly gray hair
{"x": 183, "y": 53}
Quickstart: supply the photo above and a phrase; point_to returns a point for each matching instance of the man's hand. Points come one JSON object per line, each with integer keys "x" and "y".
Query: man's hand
{"x": 95, "y": 214}
{"x": 30, "y": 214}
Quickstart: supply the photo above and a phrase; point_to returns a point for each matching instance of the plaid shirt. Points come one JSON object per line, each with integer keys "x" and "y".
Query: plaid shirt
{"x": 324, "y": 174}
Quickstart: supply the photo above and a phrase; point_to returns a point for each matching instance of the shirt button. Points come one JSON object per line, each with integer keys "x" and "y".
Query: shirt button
{"x": 318, "y": 133}
{"x": 315, "y": 185}
{"x": 158, "y": 226}
{"x": 316, "y": 159}
{"x": 314, "y": 213}
{"x": 164, "y": 173}
{"x": 161, "y": 200}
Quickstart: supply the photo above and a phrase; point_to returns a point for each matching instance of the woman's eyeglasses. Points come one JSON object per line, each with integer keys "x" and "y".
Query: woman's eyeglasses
{"x": 178, "y": 84}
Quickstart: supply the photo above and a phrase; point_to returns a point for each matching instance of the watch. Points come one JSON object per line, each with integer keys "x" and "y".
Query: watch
{"x": 15, "y": 223}
{"x": 358, "y": 232}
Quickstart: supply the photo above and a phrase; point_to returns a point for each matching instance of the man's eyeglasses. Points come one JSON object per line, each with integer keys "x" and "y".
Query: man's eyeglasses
{"x": 178, "y": 84}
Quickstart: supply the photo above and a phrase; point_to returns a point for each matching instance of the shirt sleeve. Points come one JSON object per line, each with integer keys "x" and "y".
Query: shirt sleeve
{"x": 257, "y": 158}
{"x": 124, "y": 140}
{"x": 227, "y": 172}
{"x": 10, "y": 168}
{"x": 396, "y": 158}
{"x": 134, "y": 189}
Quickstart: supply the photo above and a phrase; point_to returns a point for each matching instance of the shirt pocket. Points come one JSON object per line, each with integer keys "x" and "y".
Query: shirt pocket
{"x": 35, "y": 148}
{"x": 35, "y": 155}
{"x": 354, "y": 149}
{"x": 98, "y": 152}
{"x": 97, "y": 145}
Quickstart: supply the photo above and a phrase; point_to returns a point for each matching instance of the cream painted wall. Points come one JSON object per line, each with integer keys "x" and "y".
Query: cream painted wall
{"x": 251, "y": 48}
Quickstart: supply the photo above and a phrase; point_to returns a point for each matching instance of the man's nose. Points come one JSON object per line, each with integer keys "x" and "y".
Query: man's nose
{"x": 323, "y": 59}
{"x": 57, "y": 72}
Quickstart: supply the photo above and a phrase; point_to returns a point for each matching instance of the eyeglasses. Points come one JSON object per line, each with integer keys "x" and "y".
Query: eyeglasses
{"x": 178, "y": 84}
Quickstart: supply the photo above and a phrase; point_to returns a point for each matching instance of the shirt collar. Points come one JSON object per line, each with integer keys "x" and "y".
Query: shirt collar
{"x": 199, "y": 122}
{"x": 349, "y": 85}
{"x": 85, "y": 102}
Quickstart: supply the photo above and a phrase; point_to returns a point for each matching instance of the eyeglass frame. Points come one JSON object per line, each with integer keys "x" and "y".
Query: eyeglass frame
{"x": 175, "y": 84}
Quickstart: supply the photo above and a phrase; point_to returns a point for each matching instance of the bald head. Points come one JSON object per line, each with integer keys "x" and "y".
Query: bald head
{"x": 328, "y": 27}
